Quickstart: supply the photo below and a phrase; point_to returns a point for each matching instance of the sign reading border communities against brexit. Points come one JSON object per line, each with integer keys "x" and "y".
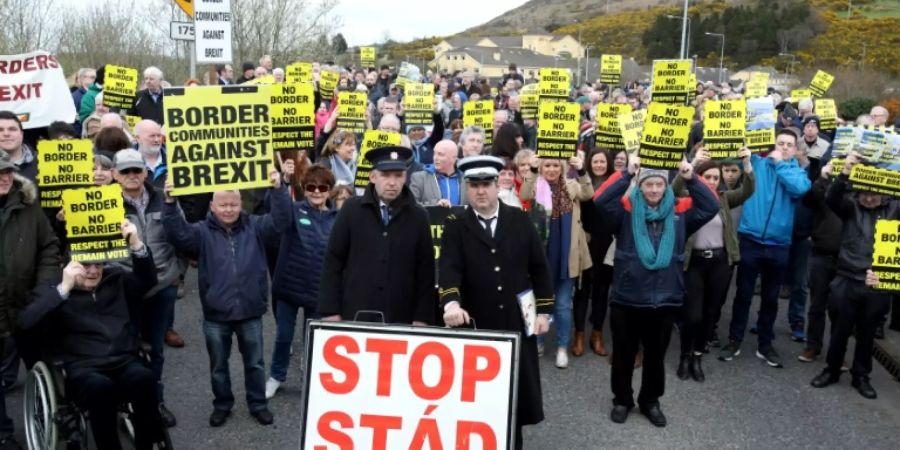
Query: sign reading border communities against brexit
{"x": 724, "y": 125}
{"x": 328, "y": 82}
{"x": 820, "y": 83}
{"x": 418, "y": 103}
{"x": 119, "y": 86}
{"x": 480, "y": 114}
{"x": 293, "y": 117}
{"x": 632, "y": 126}
{"x": 63, "y": 164}
{"x": 761, "y": 116}
{"x": 608, "y": 133}
{"x": 557, "y": 136}
{"x": 875, "y": 179}
{"x": 399, "y": 387}
{"x": 671, "y": 80}
{"x": 34, "y": 88}
{"x": 218, "y": 138}
{"x": 554, "y": 84}
{"x": 886, "y": 255}
{"x": 367, "y": 56}
{"x": 352, "y": 111}
{"x": 212, "y": 31}
{"x": 610, "y": 69}
{"x": 298, "y": 72}
{"x": 94, "y": 219}
{"x": 665, "y": 135}
{"x": 372, "y": 139}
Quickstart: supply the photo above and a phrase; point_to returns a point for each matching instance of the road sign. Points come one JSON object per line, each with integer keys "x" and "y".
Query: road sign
{"x": 187, "y": 6}
{"x": 181, "y": 31}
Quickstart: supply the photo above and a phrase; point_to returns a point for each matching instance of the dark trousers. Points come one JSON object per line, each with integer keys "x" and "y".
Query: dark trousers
{"x": 821, "y": 272}
{"x": 249, "y": 334}
{"x": 594, "y": 287}
{"x": 6, "y": 424}
{"x": 706, "y": 284}
{"x": 156, "y": 319}
{"x": 717, "y": 312}
{"x": 768, "y": 262}
{"x": 854, "y": 305}
{"x": 651, "y": 328}
{"x": 101, "y": 392}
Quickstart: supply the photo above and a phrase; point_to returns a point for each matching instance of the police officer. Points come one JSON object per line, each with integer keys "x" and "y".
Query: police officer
{"x": 380, "y": 254}
{"x": 490, "y": 255}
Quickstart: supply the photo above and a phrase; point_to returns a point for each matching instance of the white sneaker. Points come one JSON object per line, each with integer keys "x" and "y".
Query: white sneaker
{"x": 272, "y": 386}
{"x": 562, "y": 359}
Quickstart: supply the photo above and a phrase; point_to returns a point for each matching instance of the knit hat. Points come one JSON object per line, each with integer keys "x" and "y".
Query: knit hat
{"x": 814, "y": 119}
{"x": 644, "y": 174}
{"x": 789, "y": 111}
{"x": 248, "y": 66}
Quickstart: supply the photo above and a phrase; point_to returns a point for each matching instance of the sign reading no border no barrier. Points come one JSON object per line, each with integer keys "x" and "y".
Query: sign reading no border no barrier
{"x": 293, "y": 117}
{"x": 218, "y": 137}
{"x": 665, "y": 135}
{"x": 398, "y": 387}
{"x": 886, "y": 255}
{"x": 94, "y": 219}
{"x": 63, "y": 164}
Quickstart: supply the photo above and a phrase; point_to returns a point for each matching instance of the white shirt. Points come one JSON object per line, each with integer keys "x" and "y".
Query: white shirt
{"x": 493, "y": 215}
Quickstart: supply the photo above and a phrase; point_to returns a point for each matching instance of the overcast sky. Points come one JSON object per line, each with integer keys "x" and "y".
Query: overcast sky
{"x": 365, "y": 21}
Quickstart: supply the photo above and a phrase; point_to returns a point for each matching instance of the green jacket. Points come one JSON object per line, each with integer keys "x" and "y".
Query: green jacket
{"x": 29, "y": 251}
{"x": 728, "y": 199}
{"x": 88, "y": 100}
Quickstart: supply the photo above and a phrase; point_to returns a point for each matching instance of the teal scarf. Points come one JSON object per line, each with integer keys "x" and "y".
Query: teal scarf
{"x": 641, "y": 215}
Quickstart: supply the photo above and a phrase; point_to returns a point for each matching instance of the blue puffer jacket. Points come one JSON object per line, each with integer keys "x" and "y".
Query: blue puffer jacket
{"x": 768, "y": 215}
{"x": 233, "y": 276}
{"x": 633, "y": 284}
{"x": 301, "y": 255}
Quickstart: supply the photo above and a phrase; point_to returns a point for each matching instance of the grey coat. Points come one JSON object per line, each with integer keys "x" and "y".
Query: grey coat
{"x": 424, "y": 186}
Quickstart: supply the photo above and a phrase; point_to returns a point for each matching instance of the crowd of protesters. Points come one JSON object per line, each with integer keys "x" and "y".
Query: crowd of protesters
{"x": 594, "y": 236}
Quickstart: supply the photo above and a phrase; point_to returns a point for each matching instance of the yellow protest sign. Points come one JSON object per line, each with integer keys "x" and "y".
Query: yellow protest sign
{"x": 328, "y": 82}
{"x": 827, "y": 112}
{"x": 759, "y": 76}
{"x": 820, "y": 83}
{"x": 372, "y": 139}
{"x": 757, "y": 87}
{"x": 608, "y": 133}
{"x": 886, "y": 255}
{"x": 293, "y": 117}
{"x": 761, "y": 117}
{"x": 119, "y": 87}
{"x": 298, "y": 72}
{"x": 610, "y": 69}
{"x": 352, "y": 111}
{"x": 557, "y": 136}
{"x": 265, "y": 79}
{"x": 692, "y": 86}
{"x": 875, "y": 179}
{"x": 800, "y": 94}
{"x": 671, "y": 80}
{"x": 94, "y": 219}
{"x": 218, "y": 138}
{"x": 367, "y": 56}
{"x": 418, "y": 103}
{"x": 632, "y": 126}
{"x": 480, "y": 114}
{"x": 665, "y": 135}
{"x": 132, "y": 121}
{"x": 724, "y": 125}
{"x": 529, "y": 98}
{"x": 63, "y": 164}
{"x": 553, "y": 84}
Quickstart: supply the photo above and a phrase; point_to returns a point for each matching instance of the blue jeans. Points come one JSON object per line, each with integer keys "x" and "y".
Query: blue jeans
{"x": 769, "y": 262}
{"x": 798, "y": 263}
{"x": 158, "y": 310}
{"x": 250, "y": 343}
{"x": 562, "y": 310}
{"x": 287, "y": 323}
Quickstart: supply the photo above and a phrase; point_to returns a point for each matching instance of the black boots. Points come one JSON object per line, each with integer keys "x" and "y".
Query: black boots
{"x": 690, "y": 366}
{"x": 683, "y": 372}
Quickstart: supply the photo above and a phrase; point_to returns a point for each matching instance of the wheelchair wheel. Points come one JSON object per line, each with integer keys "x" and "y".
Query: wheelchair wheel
{"x": 40, "y": 406}
{"x": 127, "y": 428}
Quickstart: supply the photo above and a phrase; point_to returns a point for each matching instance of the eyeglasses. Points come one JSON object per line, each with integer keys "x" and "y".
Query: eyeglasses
{"x": 322, "y": 188}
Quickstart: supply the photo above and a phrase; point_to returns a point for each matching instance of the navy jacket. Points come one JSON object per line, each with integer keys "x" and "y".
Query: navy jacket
{"x": 301, "y": 255}
{"x": 634, "y": 284}
{"x": 233, "y": 275}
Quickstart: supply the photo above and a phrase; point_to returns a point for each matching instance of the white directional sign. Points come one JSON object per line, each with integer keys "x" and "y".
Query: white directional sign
{"x": 181, "y": 31}
{"x": 212, "y": 27}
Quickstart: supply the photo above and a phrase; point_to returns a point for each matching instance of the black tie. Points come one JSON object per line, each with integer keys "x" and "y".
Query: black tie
{"x": 486, "y": 223}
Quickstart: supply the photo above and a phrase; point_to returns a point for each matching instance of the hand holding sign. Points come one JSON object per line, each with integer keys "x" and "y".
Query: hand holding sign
{"x": 701, "y": 155}
{"x": 577, "y": 161}
{"x": 275, "y": 178}
{"x": 129, "y": 232}
{"x": 871, "y": 278}
{"x": 634, "y": 164}
{"x": 455, "y": 316}
{"x": 287, "y": 168}
{"x": 72, "y": 274}
{"x": 686, "y": 170}
{"x": 853, "y": 159}
{"x": 167, "y": 189}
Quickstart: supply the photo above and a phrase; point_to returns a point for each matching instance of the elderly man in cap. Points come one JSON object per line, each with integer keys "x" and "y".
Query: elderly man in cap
{"x": 380, "y": 254}
{"x": 143, "y": 207}
{"x": 29, "y": 257}
{"x": 490, "y": 255}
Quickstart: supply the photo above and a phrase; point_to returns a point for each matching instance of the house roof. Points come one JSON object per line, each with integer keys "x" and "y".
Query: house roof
{"x": 507, "y": 41}
{"x": 500, "y": 56}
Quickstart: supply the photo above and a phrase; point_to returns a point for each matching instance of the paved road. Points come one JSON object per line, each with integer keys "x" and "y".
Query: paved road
{"x": 743, "y": 404}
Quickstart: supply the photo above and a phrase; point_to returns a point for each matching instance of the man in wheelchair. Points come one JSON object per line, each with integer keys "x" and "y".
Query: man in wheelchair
{"x": 88, "y": 324}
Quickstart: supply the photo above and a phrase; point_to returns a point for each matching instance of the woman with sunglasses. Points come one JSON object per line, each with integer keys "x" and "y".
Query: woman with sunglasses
{"x": 295, "y": 284}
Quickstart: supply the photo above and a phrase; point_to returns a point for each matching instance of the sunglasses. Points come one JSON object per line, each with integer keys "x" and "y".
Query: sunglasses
{"x": 131, "y": 170}
{"x": 322, "y": 188}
